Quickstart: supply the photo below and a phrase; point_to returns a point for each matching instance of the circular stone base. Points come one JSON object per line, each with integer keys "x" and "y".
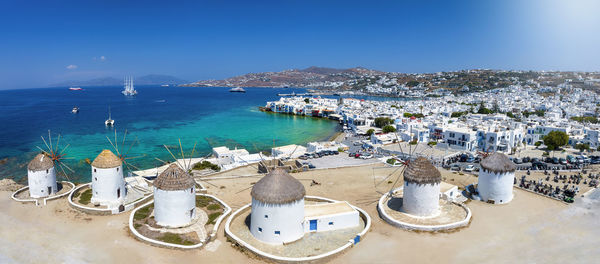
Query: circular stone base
{"x": 451, "y": 215}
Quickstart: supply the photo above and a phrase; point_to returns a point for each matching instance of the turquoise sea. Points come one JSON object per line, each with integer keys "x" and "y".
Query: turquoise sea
{"x": 157, "y": 116}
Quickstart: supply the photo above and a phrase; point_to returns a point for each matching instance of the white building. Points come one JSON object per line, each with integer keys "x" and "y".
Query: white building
{"x": 108, "y": 186}
{"x": 421, "y": 192}
{"x": 41, "y": 176}
{"x": 174, "y": 197}
{"x": 277, "y": 208}
{"x": 496, "y": 179}
{"x": 329, "y": 216}
{"x": 289, "y": 151}
{"x": 321, "y": 146}
{"x": 461, "y": 138}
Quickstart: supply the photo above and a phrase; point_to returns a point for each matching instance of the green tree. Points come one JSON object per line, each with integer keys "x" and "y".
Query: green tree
{"x": 510, "y": 114}
{"x": 306, "y": 100}
{"x": 370, "y": 132}
{"x": 407, "y": 115}
{"x": 556, "y": 139}
{"x": 382, "y": 121}
{"x": 537, "y": 144}
{"x": 388, "y": 129}
{"x": 483, "y": 110}
{"x": 582, "y": 147}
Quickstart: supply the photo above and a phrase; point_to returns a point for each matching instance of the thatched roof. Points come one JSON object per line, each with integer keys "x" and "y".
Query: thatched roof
{"x": 106, "y": 160}
{"x": 41, "y": 162}
{"x": 498, "y": 162}
{"x": 421, "y": 171}
{"x": 278, "y": 187}
{"x": 174, "y": 179}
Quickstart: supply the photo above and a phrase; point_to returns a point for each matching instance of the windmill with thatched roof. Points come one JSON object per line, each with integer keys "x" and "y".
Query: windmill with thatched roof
{"x": 108, "y": 184}
{"x": 42, "y": 169}
{"x": 174, "y": 197}
{"x": 496, "y": 179}
{"x": 421, "y": 188}
{"x": 277, "y": 208}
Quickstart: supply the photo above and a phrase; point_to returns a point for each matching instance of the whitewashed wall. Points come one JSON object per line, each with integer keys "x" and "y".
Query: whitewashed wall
{"x": 421, "y": 199}
{"x": 339, "y": 221}
{"x": 39, "y": 181}
{"x": 172, "y": 208}
{"x": 495, "y": 186}
{"x": 286, "y": 218}
{"x": 105, "y": 183}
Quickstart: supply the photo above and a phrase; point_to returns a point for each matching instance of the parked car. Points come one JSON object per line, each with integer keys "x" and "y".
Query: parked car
{"x": 310, "y": 166}
{"x": 517, "y": 161}
{"x": 562, "y": 161}
{"x": 526, "y": 159}
{"x": 469, "y": 168}
{"x": 470, "y": 159}
{"x": 555, "y": 160}
{"x": 366, "y": 156}
{"x": 455, "y": 167}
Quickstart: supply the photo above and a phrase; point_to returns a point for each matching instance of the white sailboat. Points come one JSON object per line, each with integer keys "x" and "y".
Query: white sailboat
{"x": 109, "y": 121}
{"x": 128, "y": 85}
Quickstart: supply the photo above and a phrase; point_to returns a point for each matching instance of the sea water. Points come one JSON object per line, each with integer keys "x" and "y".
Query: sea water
{"x": 206, "y": 116}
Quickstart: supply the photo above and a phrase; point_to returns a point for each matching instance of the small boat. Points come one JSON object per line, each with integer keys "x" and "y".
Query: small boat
{"x": 237, "y": 90}
{"x": 75, "y": 88}
{"x": 109, "y": 121}
{"x": 128, "y": 87}
{"x": 75, "y": 110}
{"x": 164, "y": 85}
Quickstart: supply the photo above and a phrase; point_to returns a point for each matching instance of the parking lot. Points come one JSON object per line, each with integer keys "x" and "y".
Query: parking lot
{"x": 336, "y": 161}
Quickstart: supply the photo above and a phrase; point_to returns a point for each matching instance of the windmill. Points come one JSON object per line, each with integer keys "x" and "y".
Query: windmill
{"x": 57, "y": 154}
{"x": 398, "y": 172}
{"x": 124, "y": 156}
{"x": 184, "y": 163}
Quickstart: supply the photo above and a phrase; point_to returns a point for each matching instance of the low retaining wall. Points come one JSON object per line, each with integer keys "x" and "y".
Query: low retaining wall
{"x": 158, "y": 243}
{"x": 102, "y": 211}
{"x": 49, "y": 198}
{"x": 322, "y": 257}
{"x": 431, "y": 228}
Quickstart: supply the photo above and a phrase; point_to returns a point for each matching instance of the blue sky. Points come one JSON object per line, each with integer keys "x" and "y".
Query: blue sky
{"x": 51, "y": 41}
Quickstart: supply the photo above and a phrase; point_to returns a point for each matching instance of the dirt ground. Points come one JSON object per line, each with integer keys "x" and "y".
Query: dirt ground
{"x": 529, "y": 229}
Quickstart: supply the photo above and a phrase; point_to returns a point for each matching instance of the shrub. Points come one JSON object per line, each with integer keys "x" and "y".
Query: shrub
{"x": 143, "y": 212}
{"x": 370, "y": 132}
{"x": 206, "y": 165}
{"x": 432, "y": 143}
{"x": 391, "y": 161}
{"x": 537, "y": 144}
{"x": 389, "y": 129}
{"x": 383, "y": 121}
{"x": 414, "y": 142}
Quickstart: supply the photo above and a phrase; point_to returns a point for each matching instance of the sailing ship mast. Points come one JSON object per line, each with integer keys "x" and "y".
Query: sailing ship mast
{"x": 128, "y": 85}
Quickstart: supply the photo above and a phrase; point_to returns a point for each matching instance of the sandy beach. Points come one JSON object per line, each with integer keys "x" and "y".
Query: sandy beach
{"x": 529, "y": 229}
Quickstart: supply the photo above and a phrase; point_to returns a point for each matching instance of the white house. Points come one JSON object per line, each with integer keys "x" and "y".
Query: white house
{"x": 108, "y": 186}
{"x": 496, "y": 179}
{"x": 41, "y": 176}
{"x": 174, "y": 197}
{"x": 288, "y": 151}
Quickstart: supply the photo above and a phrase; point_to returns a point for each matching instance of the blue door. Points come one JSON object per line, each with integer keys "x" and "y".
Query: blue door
{"x": 313, "y": 225}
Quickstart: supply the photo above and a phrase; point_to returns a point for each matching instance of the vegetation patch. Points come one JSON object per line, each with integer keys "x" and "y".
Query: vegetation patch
{"x": 213, "y": 207}
{"x": 206, "y": 165}
{"x": 143, "y": 212}
{"x": 86, "y": 197}
{"x": 212, "y": 217}
{"x": 175, "y": 239}
{"x": 203, "y": 201}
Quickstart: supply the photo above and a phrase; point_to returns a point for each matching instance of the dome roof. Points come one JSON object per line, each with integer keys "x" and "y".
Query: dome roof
{"x": 106, "y": 160}
{"x": 174, "y": 179}
{"x": 421, "y": 171}
{"x": 41, "y": 162}
{"x": 278, "y": 187}
{"x": 498, "y": 162}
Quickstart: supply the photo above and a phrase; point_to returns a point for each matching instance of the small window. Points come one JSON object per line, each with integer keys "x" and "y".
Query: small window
{"x": 260, "y": 229}
{"x": 266, "y": 216}
{"x": 277, "y": 233}
{"x": 117, "y": 168}
{"x": 191, "y": 190}
{"x": 330, "y": 223}
{"x": 94, "y": 170}
{"x": 47, "y": 171}
{"x": 95, "y": 178}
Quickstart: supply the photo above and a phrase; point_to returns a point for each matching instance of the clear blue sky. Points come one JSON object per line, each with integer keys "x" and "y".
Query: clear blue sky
{"x": 51, "y": 41}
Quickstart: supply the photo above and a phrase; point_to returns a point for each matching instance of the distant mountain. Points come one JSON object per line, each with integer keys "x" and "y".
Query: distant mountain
{"x": 310, "y": 77}
{"x": 151, "y": 79}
